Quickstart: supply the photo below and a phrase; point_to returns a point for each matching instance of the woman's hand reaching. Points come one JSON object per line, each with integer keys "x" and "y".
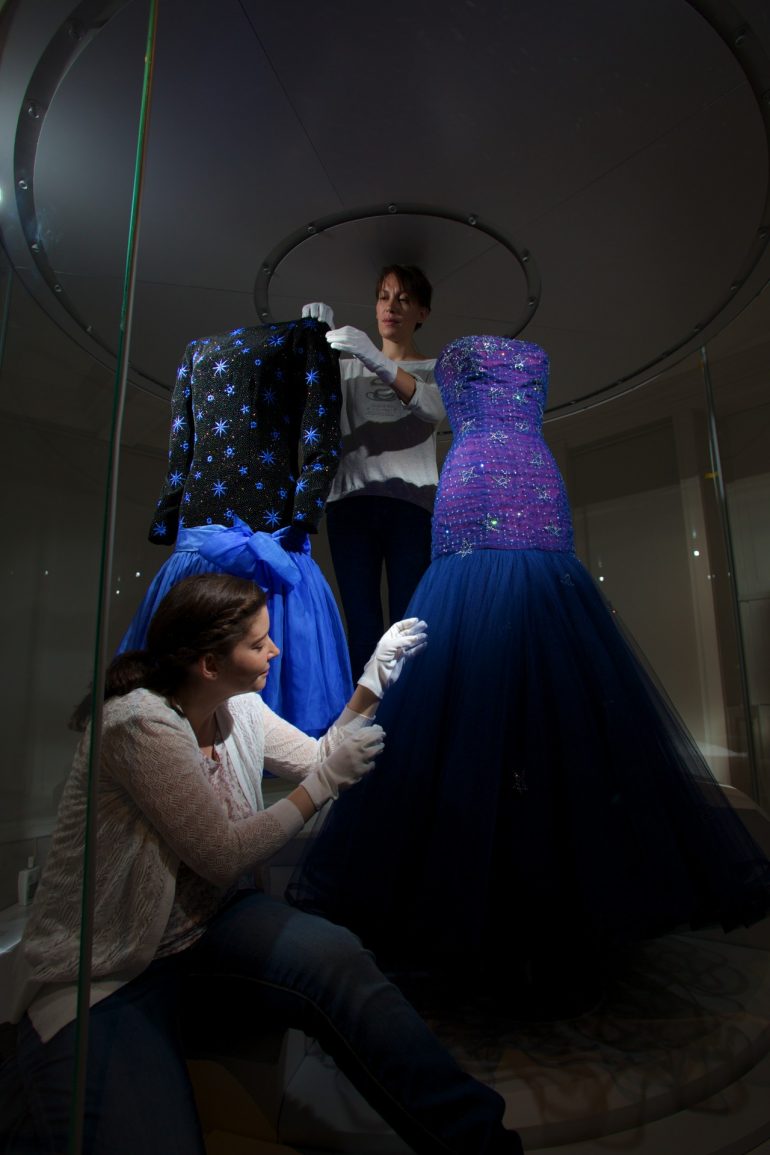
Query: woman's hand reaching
{"x": 355, "y": 341}
{"x": 404, "y": 640}
{"x": 345, "y": 766}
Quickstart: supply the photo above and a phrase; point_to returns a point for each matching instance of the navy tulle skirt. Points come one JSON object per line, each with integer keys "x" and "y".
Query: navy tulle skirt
{"x": 310, "y": 680}
{"x": 536, "y": 790}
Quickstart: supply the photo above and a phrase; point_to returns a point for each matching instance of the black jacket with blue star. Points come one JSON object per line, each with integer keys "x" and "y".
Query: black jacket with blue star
{"x": 255, "y": 430}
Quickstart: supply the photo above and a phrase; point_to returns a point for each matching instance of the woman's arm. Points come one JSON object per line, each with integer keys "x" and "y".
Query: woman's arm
{"x": 158, "y": 763}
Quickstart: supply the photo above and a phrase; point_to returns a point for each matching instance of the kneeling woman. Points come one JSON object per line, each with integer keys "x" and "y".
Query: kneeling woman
{"x": 181, "y": 829}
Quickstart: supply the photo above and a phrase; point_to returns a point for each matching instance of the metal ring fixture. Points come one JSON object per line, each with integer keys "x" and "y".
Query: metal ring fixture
{"x": 334, "y": 220}
{"x": 89, "y": 18}
{"x": 754, "y": 62}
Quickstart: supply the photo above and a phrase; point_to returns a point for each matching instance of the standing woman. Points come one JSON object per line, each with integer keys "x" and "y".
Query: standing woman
{"x": 378, "y": 512}
{"x": 181, "y": 829}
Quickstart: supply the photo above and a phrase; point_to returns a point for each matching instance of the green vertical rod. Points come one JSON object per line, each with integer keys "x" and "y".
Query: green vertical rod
{"x": 75, "y": 1145}
{"x": 6, "y": 313}
{"x": 724, "y": 517}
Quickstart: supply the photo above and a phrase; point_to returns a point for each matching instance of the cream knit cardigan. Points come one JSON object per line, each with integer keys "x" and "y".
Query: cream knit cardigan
{"x": 155, "y": 809}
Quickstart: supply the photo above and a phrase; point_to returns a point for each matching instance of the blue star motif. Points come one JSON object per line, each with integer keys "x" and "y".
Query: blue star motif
{"x": 276, "y": 340}
{"x": 243, "y": 470}
{"x": 311, "y": 435}
{"x": 197, "y": 475}
{"x": 299, "y": 515}
{"x": 319, "y": 502}
{"x": 229, "y": 390}
{"x": 271, "y": 517}
{"x": 220, "y": 427}
{"x": 235, "y": 332}
{"x": 283, "y": 493}
{"x": 230, "y": 451}
{"x": 187, "y": 391}
{"x": 252, "y": 425}
{"x": 210, "y": 458}
{"x": 268, "y": 396}
{"x": 317, "y": 466}
{"x": 311, "y": 377}
{"x": 177, "y": 424}
{"x": 275, "y": 434}
{"x": 229, "y": 513}
{"x": 220, "y": 368}
{"x": 159, "y": 529}
{"x": 210, "y": 397}
{"x": 187, "y": 498}
{"x": 182, "y": 371}
{"x": 520, "y": 365}
{"x": 219, "y": 488}
{"x": 321, "y": 410}
{"x": 499, "y": 437}
{"x": 175, "y": 478}
{"x": 245, "y": 409}
{"x": 257, "y": 360}
{"x": 267, "y": 457}
{"x": 185, "y": 445}
{"x": 199, "y": 415}
{"x": 301, "y": 485}
{"x": 259, "y": 485}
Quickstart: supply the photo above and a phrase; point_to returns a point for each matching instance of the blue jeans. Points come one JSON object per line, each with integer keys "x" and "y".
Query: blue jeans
{"x": 365, "y": 534}
{"x": 270, "y": 965}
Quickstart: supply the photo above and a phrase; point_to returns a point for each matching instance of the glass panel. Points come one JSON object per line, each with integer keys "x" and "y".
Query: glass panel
{"x": 740, "y": 375}
{"x": 647, "y": 525}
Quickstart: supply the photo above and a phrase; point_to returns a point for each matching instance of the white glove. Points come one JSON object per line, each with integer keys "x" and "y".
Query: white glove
{"x": 350, "y": 340}
{"x": 353, "y": 758}
{"x": 320, "y": 311}
{"x": 402, "y": 641}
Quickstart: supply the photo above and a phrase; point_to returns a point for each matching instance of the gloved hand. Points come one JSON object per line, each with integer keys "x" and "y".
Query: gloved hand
{"x": 402, "y": 641}
{"x": 353, "y": 758}
{"x": 320, "y": 311}
{"x": 350, "y": 340}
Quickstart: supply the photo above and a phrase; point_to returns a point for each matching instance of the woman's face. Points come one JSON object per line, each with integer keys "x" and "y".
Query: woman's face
{"x": 398, "y": 314}
{"x": 246, "y": 666}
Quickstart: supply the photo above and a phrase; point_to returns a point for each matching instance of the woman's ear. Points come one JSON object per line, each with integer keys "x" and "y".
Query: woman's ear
{"x": 208, "y": 667}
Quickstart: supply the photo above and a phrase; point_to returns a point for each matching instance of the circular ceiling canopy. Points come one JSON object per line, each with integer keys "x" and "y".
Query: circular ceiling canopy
{"x": 624, "y": 147}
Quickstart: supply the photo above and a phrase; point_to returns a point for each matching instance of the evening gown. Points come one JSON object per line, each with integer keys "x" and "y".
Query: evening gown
{"x": 537, "y": 789}
{"x": 254, "y": 445}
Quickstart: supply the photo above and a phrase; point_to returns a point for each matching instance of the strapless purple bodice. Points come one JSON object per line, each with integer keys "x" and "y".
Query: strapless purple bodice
{"x": 500, "y": 487}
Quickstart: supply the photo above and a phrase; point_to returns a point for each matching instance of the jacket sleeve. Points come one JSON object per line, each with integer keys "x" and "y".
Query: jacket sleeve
{"x": 320, "y": 441}
{"x": 426, "y": 402}
{"x": 165, "y": 523}
{"x": 155, "y": 760}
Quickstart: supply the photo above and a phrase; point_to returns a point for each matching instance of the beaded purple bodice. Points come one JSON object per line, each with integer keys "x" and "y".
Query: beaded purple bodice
{"x": 500, "y": 487}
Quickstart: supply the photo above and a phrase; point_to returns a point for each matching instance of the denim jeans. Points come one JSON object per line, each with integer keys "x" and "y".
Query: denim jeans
{"x": 365, "y": 534}
{"x": 274, "y": 965}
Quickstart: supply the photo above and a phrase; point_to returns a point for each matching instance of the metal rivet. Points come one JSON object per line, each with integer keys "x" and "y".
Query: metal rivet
{"x": 32, "y": 109}
{"x": 265, "y": 268}
{"x": 58, "y": 289}
{"x": 22, "y": 184}
{"x": 532, "y": 301}
{"x": 310, "y": 230}
{"x": 473, "y": 220}
{"x": 35, "y": 246}
{"x": 392, "y": 208}
{"x": 265, "y": 313}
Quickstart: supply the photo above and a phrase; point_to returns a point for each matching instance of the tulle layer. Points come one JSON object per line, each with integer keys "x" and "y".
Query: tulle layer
{"x": 536, "y": 784}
